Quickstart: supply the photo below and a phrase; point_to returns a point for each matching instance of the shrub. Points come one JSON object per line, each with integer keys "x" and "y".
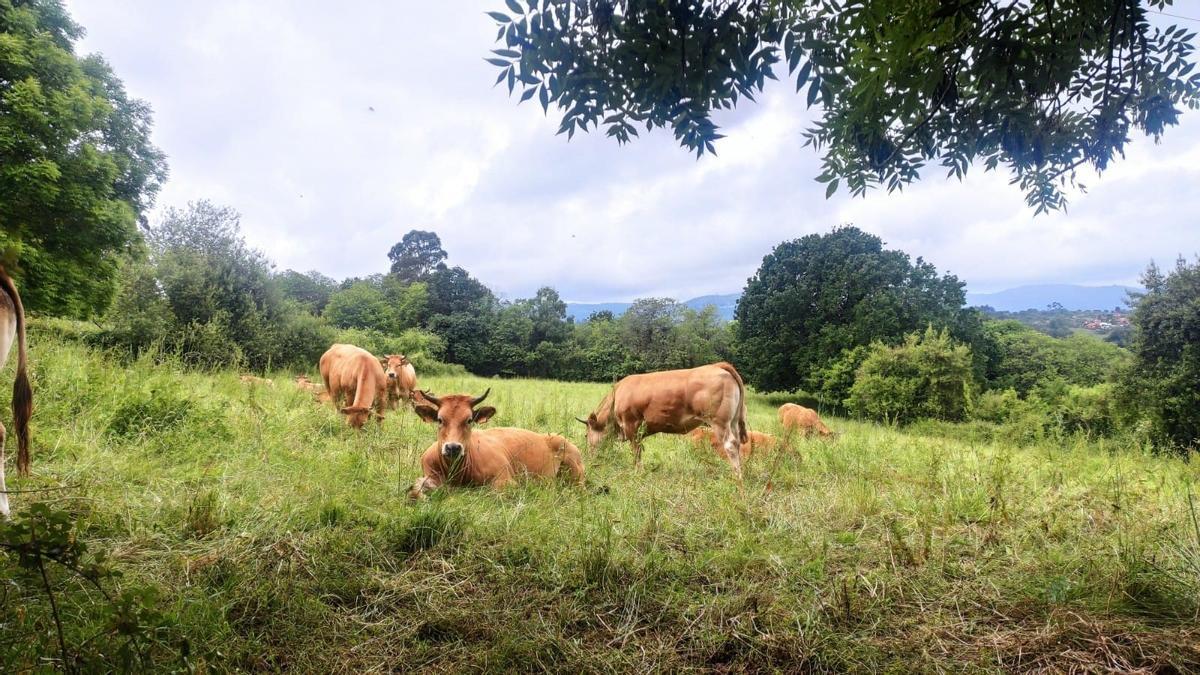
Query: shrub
{"x": 927, "y": 376}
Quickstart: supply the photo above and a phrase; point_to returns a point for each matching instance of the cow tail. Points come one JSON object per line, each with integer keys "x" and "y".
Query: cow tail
{"x": 743, "y": 430}
{"x": 22, "y": 399}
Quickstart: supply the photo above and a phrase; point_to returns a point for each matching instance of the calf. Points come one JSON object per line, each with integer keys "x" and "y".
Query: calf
{"x": 806, "y": 421}
{"x": 401, "y": 379}
{"x": 353, "y": 374}
{"x": 465, "y": 456}
{"x": 702, "y": 436}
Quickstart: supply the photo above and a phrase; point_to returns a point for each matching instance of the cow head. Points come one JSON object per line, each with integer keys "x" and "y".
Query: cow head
{"x": 356, "y": 416}
{"x": 392, "y": 365}
{"x": 454, "y": 415}
{"x": 596, "y": 430}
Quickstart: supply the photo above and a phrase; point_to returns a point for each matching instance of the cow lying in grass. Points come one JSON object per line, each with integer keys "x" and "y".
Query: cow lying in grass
{"x": 757, "y": 442}
{"x": 465, "y": 456}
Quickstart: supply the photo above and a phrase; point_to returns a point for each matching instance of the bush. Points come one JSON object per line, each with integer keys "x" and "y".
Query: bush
{"x": 927, "y": 376}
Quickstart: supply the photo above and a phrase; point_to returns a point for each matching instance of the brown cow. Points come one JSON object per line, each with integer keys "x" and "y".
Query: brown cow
{"x": 12, "y": 327}
{"x": 806, "y": 421}
{"x": 476, "y": 457}
{"x": 675, "y": 402}
{"x": 354, "y": 374}
{"x": 305, "y": 384}
{"x": 758, "y": 441}
{"x": 251, "y": 379}
{"x": 401, "y": 379}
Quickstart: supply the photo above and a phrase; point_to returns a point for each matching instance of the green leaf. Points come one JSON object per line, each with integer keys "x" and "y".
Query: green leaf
{"x": 803, "y": 76}
{"x": 498, "y": 62}
{"x": 515, "y": 6}
{"x": 831, "y": 188}
{"x": 499, "y": 17}
{"x": 507, "y": 53}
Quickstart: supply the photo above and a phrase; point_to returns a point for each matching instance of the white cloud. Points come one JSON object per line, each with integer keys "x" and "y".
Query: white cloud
{"x": 267, "y": 106}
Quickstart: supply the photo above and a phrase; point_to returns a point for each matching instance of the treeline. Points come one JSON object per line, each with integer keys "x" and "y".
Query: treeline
{"x": 865, "y": 330}
{"x": 201, "y": 293}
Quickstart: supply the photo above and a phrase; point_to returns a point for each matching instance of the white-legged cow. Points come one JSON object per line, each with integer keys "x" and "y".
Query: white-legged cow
{"x": 354, "y": 375}
{"x": 465, "y": 456}
{"x": 401, "y": 379}
{"x": 675, "y": 402}
{"x": 12, "y": 328}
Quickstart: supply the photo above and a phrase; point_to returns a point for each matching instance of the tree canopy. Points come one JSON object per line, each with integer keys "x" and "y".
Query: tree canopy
{"x": 1040, "y": 87}
{"x": 821, "y": 294}
{"x": 77, "y": 169}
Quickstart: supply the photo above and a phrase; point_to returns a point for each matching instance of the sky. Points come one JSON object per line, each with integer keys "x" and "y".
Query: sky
{"x": 335, "y": 128}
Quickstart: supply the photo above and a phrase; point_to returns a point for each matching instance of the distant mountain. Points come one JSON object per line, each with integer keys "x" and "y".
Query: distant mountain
{"x": 1070, "y": 296}
{"x": 725, "y": 305}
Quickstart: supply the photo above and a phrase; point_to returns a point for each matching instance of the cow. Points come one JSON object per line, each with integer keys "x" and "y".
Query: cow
{"x": 401, "y": 379}
{"x": 12, "y": 328}
{"x": 805, "y": 421}
{"x": 353, "y": 374}
{"x": 674, "y": 402}
{"x": 758, "y": 442}
{"x": 465, "y": 456}
{"x": 252, "y": 380}
{"x": 319, "y": 394}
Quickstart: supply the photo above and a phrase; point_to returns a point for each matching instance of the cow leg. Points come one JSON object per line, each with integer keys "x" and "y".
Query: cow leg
{"x": 732, "y": 443}
{"x": 423, "y": 486}
{"x": 631, "y": 431}
{"x": 3, "y": 486}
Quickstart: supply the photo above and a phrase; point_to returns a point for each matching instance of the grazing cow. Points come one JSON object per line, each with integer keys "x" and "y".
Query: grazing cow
{"x": 806, "y": 421}
{"x": 466, "y": 456}
{"x": 758, "y": 442}
{"x": 353, "y": 374}
{"x": 12, "y": 327}
{"x": 675, "y": 402}
{"x": 401, "y": 379}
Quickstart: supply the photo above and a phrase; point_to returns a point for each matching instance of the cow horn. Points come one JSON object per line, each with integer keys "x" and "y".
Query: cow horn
{"x": 581, "y": 420}
{"x": 479, "y": 399}
{"x": 431, "y": 398}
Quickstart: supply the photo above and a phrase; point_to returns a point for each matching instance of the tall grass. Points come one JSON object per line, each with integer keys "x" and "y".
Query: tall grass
{"x": 280, "y": 539}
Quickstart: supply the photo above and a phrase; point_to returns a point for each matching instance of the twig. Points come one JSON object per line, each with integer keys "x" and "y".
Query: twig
{"x": 62, "y": 641}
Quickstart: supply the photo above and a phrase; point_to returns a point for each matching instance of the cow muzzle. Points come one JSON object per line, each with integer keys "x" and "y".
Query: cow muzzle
{"x": 391, "y": 376}
{"x": 452, "y": 450}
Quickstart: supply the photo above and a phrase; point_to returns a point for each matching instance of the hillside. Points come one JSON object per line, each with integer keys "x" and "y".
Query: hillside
{"x": 725, "y": 304}
{"x": 278, "y": 539}
{"x": 1070, "y": 296}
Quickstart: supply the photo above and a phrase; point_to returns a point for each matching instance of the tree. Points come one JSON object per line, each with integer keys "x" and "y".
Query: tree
{"x": 452, "y": 290}
{"x": 1042, "y": 87}
{"x": 1163, "y": 385}
{"x": 818, "y": 295}
{"x": 312, "y": 289}
{"x": 416, "y": 256}
{"x": 77, "y": 169}
{"x": 649, "y": 329}
{"x": 929, "y": 375}
{"x": 549, "y": 315}
{"x": 1020, "y": 358}
{"x": 360, "y": 306}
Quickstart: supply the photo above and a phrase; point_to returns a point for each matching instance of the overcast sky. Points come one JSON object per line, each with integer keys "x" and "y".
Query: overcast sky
{"x": 265, "y": 105}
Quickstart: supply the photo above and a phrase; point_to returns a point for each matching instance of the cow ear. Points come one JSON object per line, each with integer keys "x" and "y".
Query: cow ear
{"x": 427, "y": 413}
{"x": 482, "y": 415}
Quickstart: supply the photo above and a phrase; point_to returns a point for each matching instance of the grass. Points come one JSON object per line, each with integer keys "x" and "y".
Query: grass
{"x": 281, "y": 540}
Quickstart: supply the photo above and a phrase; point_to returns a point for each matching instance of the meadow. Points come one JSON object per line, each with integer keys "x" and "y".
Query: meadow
{"x": 279, "y": 539}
